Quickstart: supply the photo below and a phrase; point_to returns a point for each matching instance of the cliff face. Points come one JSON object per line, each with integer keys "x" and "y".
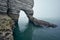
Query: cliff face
{"x": 7, "y": 24}
{"x": 6, "y": 28}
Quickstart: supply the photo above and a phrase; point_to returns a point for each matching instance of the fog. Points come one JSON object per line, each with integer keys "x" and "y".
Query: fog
{"x": 45, "y": 9}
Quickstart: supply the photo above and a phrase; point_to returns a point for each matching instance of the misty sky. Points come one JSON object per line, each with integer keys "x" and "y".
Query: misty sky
{"x": 46, "y": 9}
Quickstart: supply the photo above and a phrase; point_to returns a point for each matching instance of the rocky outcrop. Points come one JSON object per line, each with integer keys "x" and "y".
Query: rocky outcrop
{"x": 41, "y": 22}
{"x": 6, "y": 27}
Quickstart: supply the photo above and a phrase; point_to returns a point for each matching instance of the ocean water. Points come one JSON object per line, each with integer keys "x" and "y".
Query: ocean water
{"x": 27, "y": 31}
{"x": 48, "y": 10}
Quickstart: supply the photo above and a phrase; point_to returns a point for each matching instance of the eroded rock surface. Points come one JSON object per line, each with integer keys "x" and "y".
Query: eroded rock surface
{"x": 6, "y": 28}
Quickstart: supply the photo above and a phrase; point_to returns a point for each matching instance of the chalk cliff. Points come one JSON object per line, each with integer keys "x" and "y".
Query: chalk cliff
{"x": 13, "y": 7}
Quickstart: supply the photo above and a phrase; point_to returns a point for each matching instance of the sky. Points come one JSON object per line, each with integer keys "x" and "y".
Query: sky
{"x": 45, "y": 9}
